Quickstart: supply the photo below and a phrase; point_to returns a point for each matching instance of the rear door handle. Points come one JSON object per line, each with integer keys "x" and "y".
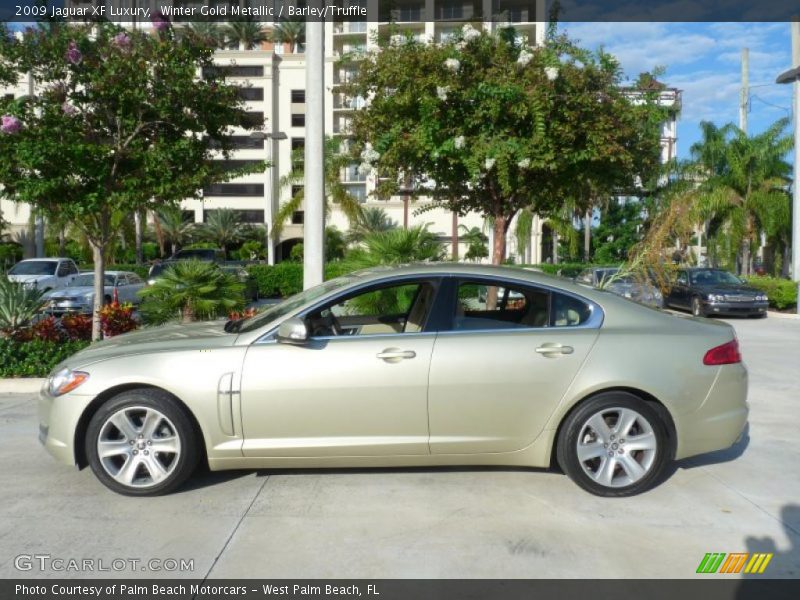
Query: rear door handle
{"x": 554, "y": 349}
{"x": 395, "y": 354}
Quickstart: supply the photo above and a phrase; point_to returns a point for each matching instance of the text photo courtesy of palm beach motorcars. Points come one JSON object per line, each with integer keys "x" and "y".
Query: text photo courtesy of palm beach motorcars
{"x": 456, "y": 291}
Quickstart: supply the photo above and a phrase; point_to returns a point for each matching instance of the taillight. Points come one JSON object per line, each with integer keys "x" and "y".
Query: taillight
{"x": 726, "y": 354}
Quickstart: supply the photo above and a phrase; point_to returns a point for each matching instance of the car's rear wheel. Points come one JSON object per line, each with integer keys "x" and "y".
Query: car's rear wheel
{"x": 615, "y": 444}
{"x": 142, "y": 443}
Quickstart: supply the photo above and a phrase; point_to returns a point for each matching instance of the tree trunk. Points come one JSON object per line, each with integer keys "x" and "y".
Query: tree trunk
{"x": 98, "y": 255}
{"x": 587, "y": 236}
{"x": 745, "y": 266}
{"x": 188, "y": 313}
{"x": 454, "y": 236}
{"x": 499, "y": 228}
{"x": 405, "y": 211}
{"x": 159, "y": 235}
{"x": 555, "y": 247}
{"x": 62, "y": 242}
{"x": 138, "y": 223}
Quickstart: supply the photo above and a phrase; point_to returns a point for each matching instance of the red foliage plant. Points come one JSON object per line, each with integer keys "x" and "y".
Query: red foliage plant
{"x": 77, "y": 326}
{"x": 245, "y": 314}
{"x": 116, "y": 318}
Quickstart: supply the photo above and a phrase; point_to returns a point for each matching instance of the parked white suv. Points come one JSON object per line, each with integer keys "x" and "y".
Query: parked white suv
{"x": 44, "y": 273}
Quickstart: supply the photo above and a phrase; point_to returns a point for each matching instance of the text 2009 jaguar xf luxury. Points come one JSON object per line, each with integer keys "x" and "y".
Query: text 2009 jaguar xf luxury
{"x": 426, "y": 365}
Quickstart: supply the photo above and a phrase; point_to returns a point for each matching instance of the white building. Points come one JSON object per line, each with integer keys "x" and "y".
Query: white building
{"x": 272, "y": 79}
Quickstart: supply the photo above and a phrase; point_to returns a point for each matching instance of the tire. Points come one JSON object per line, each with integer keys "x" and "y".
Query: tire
{"x": 600, "y": 468}
{"x": 121, "y": 424}
{"x": 697, "y": 307}
{"x": 106, "y": 299}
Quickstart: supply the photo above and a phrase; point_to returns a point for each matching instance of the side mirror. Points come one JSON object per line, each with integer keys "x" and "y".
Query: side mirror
{"x": 293, "y": 331}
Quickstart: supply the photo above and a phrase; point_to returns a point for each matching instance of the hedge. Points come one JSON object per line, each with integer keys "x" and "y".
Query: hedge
{"x": 35, "y": 358}
{"x": 286, "y": 278}
{"x": 140, "y": 270}
{"x": 568, "y": 270}
{"x": 782, "y": 293}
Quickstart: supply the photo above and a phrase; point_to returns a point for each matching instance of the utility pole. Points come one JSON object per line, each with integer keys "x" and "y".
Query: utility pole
{"x": 314, "y": 192}
{"x": 744, "y": 96}
{"x": 38, "y": 218}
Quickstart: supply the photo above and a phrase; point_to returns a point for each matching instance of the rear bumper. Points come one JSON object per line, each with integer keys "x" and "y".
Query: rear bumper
{"x": 719, "y": 421}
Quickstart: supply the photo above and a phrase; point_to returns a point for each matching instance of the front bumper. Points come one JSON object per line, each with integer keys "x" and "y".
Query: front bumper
{"x": 58, "y": 422}
{"x": 736, "y": 308}
{"x": 62, "y": 308}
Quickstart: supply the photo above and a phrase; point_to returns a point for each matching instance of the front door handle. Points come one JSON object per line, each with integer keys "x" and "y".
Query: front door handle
{"x": 554, "y": 349}
{"x": 395, "y": 354}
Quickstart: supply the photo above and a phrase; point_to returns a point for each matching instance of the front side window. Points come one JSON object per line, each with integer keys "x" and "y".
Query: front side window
{"x": 490, "y": 306}
{"x": 682, "y": 278}
{"x": 400, "y": 308}
{"x": 33, "y": 267}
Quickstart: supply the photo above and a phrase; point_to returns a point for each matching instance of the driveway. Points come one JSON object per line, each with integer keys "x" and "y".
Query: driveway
{"x": 427, "y": 523}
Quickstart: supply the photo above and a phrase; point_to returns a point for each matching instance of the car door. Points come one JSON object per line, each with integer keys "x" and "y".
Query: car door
{"x": 358, "y": 387}
{"x": 679, "y": 293}
{"x": 506, "y": 360}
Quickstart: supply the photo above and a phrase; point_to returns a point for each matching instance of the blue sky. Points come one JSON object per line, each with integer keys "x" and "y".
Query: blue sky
{"x": 703, "y": 60}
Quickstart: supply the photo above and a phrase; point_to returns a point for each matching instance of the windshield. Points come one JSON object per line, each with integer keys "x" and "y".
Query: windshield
{"x": 87, "y": 280}
{"x": 34, "y": 267}
{"x": 292, "y": 303}
{"x": 715, "y": 278}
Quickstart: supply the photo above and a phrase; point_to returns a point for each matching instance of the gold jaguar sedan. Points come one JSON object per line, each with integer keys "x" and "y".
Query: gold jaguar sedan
{"x": 439, "y": 364}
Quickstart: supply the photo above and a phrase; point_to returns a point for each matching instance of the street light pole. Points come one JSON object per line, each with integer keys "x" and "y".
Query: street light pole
{"x": 793, "y": 76}
{"x": 270, "y": 139}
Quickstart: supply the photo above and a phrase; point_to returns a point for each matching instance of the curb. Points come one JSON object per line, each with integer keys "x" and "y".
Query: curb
{"x": 780, "y": 315}
{"x": 21, "y": 385}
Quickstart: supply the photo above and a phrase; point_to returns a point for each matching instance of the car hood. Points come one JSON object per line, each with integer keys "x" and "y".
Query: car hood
{"x": 27, "y": 278}
{"x": 69, "y": 291}
{"x": 728, "y": 289}
{"x": 177, "y": 336}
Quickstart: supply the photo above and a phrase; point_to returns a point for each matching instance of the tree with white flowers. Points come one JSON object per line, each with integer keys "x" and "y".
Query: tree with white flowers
{"x": 485, "y": 123}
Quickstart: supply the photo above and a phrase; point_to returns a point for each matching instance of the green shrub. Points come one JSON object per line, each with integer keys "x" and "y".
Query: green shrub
{"x": 140, "y": 270}
{"x": 286, "y": 278}
{"x": 568, "y": 270}
{"x": 782, "y": 293}
{"x": 35, "y": 358}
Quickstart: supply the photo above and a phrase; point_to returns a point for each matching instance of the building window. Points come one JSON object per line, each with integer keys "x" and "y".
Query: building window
{"x": 298, "y": 120}
{"x": 243, "y": 216}
{"x": 298, "y": 217}
{"x": 296, "y": 189}
{"x": 359, "y": 192}
{"x": 298, "y": 96}
{"x": 250, "y": 190}
{"x": 241, "y": 142}
{"x": 234, "y": 71}
{"x": 298, "y": 143}
{"x": 250, "y": 93}
{"x": 254, "y": 119}
{"x": 230, "y": 165}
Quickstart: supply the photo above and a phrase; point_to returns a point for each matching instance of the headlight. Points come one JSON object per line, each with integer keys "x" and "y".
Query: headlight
{"x": 65, "y": 380}
{"x": 762, "y": 298}
{"x": 716, "y": 297}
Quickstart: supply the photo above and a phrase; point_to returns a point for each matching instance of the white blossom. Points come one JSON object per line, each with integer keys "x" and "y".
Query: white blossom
{"x": 369, "y": 154}
{"x": 551, "y": 72}
{"x": 441, "y": 92}
{"x": 460, "y": 142}
{"x": 488, "y": 164}
{"x": 524, "y": 163}
{"x": 364, "y": 168}
{"x": 453, "y": 64}
{"x": 524, "y": 57}
{"x": 397, "y": 40}
{"x": 469, "y": 33}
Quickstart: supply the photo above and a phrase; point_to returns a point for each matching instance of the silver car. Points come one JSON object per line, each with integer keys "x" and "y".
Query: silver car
{"x": 428, "y": 365}
{"x": 78, "y": 296}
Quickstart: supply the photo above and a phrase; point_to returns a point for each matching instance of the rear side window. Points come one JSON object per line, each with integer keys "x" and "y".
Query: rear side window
{"x": 569, "y": 311}
{"x": 489, "y": 306}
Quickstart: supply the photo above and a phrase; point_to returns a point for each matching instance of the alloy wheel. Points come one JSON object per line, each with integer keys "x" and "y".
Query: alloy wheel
{"x": 138, "y": 446}
{"x": 616, "y": 447}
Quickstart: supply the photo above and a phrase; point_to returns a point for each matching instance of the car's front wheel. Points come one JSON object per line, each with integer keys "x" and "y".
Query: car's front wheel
{"x": 141, "y": 443}
{"x": 614, "y": 444}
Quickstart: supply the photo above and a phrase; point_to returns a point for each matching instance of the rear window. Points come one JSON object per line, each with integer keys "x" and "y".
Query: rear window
{"x": 569, "y": 311}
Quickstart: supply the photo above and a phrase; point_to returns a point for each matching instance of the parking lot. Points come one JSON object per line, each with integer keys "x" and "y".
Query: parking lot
{"x": 427, "y": 523}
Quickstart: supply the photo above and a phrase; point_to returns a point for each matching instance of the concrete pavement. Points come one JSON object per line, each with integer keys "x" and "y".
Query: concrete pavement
{"x": 427, "y": 522}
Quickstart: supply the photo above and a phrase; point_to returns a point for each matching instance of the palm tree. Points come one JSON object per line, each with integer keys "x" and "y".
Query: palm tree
{"x": 373, "y": 219}
{"x": 209, "y": 32}
{"x": 743, "y": 188}
{"x": 223, "y": 228}
{"x": 246, "y": 35}
{"x": 191, "y": 290}
{"x": 398, "y": 246}
{"x": 335, "y": 190}
{"x": 174, "y": 227}
{"x": 290, "y": 32}
{"x": 476, "y": 242}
